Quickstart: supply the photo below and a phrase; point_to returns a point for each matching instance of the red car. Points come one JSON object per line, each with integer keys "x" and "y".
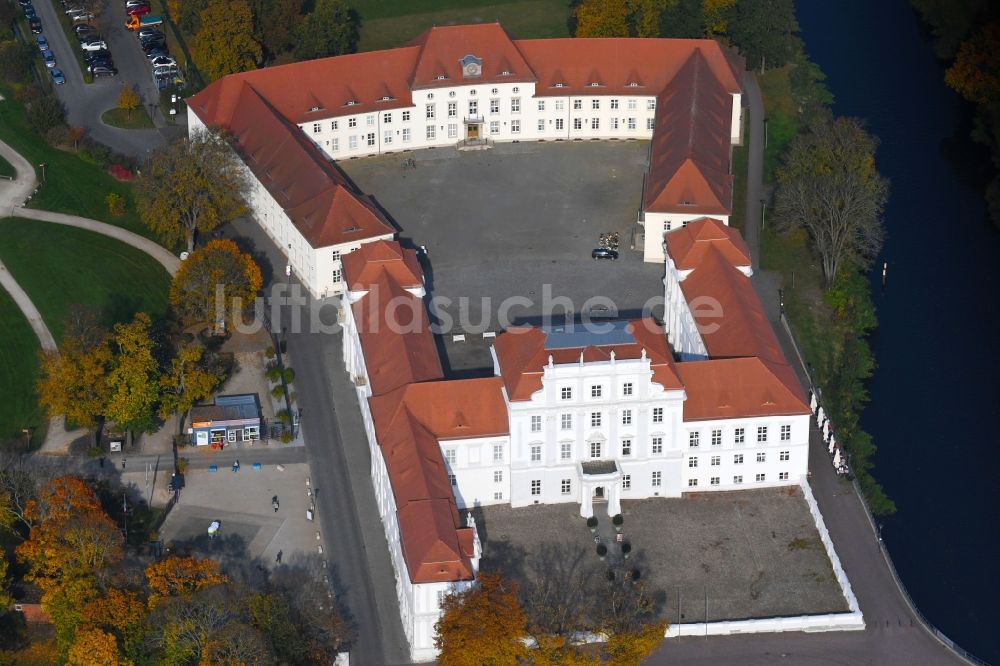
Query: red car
{"x": 138, "y": 10}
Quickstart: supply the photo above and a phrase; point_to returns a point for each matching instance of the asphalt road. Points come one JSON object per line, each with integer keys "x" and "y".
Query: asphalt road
{"x": 85, "y": 103}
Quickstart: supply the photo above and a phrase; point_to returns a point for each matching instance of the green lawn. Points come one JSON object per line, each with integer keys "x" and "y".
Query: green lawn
{"x": 58, "y": 265}
{"x": 7, "y": 169}
{"x": 138, "y": 119}
{"x": 389, "y": 23}
{"x": 18, "y": 371}
{"x": 71, "y": 185}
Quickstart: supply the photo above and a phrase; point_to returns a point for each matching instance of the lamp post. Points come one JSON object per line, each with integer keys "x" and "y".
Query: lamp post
{"x": 27, "y": 438}
{"x": 42, "y": 165}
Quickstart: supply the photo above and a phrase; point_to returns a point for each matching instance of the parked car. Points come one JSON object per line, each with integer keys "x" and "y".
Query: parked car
{"x": 93, "y": 43}
{"x": 43, "y": 44}
{"x": 83, "y": 28}
{"x": 49, "y": 58}
{"x": 36, "y": 26}
{"x": 134, "y": 3}
{"x": 57, "y": 76}
{"x": 102, "y": 70}
{"x": 163, "y": 61}
{"x": 102, "y": 56}
{"x": 157, "y": 53}
{"x": 24, "y": 3}
{"x": 145, "y": 33}
{"x": 148, "y": 46}
{"x": 604, "y": 253}
{"x": 29, "y": 12}
{"x": 83, "y": 18}
{"x": 138, "y": 10}
{"x": 74, "y": 14}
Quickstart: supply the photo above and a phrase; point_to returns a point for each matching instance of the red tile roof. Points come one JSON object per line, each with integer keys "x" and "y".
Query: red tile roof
{"x": 310, "y": 189}
{"x": 728, "y": 388}
{"x": 522, "y": 356}
{"x": 364, "y": 266}
{"x": 396, "y": 339}
{"x": 409, "y": 423}
{"x": 688, "y": 246}
{"x": 441, "y": 48}
{"x": 689, "y": 158}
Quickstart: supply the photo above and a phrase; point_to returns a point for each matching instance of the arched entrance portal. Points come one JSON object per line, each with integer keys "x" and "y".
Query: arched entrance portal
{"x": 601, "y": 483}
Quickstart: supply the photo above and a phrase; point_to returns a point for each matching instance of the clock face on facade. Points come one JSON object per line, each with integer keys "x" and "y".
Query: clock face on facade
{"x": 472, "y": 69}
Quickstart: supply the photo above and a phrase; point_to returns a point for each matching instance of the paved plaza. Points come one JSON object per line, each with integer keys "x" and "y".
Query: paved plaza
{"x": 251, "y": 531}
{"x": 519, "y": 220}
{"x": 720, "y": 556}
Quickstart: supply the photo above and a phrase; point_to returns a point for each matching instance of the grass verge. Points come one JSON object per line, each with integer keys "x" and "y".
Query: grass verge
{"x": 58, "y": 266}
{"x": 72, "y": 185}
{"x": 137, "y": 119}
{"x": 388, "y": 24}
{"x": 7, "y": 169}
{"x": 739, "y": 217}
{"x": 18, "y": 372}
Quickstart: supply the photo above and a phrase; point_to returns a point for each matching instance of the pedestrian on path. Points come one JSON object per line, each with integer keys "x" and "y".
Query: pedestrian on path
{"x": 123, "y": 464}
{"x": 277, "y": 559}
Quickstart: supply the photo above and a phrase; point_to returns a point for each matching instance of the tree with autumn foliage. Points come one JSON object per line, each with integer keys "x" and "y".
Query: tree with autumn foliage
{"x": 181, "y": 577}
{"x": 191, "y": 186}
{"x": 132, "y": 382}
{"x": 602, "y": 18}
{"x": 95, "y": 647}
{"x": 190, "y": 380}
{"x": 975, "y": 74}
{"x": 119, "y": 611}
{"x": 225, "y": 43}
{"x": 128, "y": 100}
{"x": 72, "y": 381}
{"x": 630, "y": 647}
{"x": 483, "y": 625}
{"x": 219, "y": 268}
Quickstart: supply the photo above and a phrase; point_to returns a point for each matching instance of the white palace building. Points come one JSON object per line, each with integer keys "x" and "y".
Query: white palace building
{"x": 624, "y": 410}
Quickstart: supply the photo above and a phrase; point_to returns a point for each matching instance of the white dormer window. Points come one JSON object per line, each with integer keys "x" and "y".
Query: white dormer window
{"x": 632, "y": 84}
{"x": 440, "y": 77}
{"x": 385, "y": 98}
{"x": 594, "y": 84}
{"x": 314, "y": 108}
{"x": 352, "y": 102}
{"x": 506, "y": 73}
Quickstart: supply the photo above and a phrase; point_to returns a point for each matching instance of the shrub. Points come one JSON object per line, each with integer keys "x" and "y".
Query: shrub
{"x": 289, "y": 375}
{"x": 293, "y": 396}
{"x": 182, "y": 464}
{"x": 286, "y": 437}
{"x": 273, "y": 372}
{"x": 277, "y": 391}
{"x": 269, "y": 352}
{"x": 46, "y": 113}
{"x": 116, "y": 204}
{"x": 284, "y": 416}
{"x": 58, "y": 136}
{"x": 94, "y": 452}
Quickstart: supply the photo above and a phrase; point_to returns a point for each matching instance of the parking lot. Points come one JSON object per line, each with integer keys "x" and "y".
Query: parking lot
{"x": 714, "y": 556}
{"x": 519, "y": 220}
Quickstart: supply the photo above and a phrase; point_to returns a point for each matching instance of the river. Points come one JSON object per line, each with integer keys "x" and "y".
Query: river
{"x": 935, "y": 397}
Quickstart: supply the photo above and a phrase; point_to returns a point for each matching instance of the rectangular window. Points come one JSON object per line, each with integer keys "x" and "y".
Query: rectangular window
{"x": 452, "y": 109}
{"x": 406, "y": 116}
{"x": 333, "y": 125}
{"x": 536, "y": 453}
{"x": 352, "y": 122}
{"x": 473, "y": 107}
{"x": 657, "y": 414}
{"x": 595, "y": 104}
{"x": 627, "y": 388}
{"x": 566, "y": 421}
{"x": 337, "y": 276}
{"x": 595, "y": 391}
{"x": 631, "y": 124}
{"x": 335, "y": 145}
{"x": 452, "y": 480}
{"x": 786, "y": 433}
{"x": 536, "y": 424}
{"x": 692, "y": 483}
{"x": 760, "y": 478}
{"x": 626, "y": 447}
{"x": 536, "y": 487}
{"x": 515, "y": 105}
{"x": 406, "y": 135}
{"x": 738, "y": 479}
{"x": 577, "y": 123}
{"x": 566, "y": 393}
{"x": 632, "y": 104}
{"x": 429, "y": 112}
{"x": 694, "y": 439}
{"x": 559, "y": 123}
{"x": 495, "y": 127}
{"x": 783, "y": 456}
{"x": 352, "y": 142}
{"x": 626, "y": 481}
{"x": 738, "y": 459}
{"x": 371, "y": 138}
{"x": 450, "y": 456}
{"x": 761, "y": 457}
{"x": 335, "y": 255}
{"x": 716, "y": 438}
{"x": 515, "y": 127}
{"x": 370, "y": 120}
{"x": 387, "y": 137}
{"x": 693, "y": 461}
{"x": 595, "y": 419}
{"x": 761, "y": 433}
{"x": 595, "y": 124}
{"x": 498, "y": 495}
{"x": 560, "y": 105}
{"x": 386, "y": 118}
{"x": 614, "y": 104}
{"x": 231, "y": 435}
{"x": 626, "y": 417}
{"x": 716, "y": 461}
{"x": 566, "y": 486}
{"x": 595, "y": 449}
{"x": 566, "y": 451}
{"x": 782, "y": 476}
{"x": 452, "y": 131}
{"x": 614, "y": 123}
{"x": 657, "y": 479}
{"x": 498, "y": 476}
{"x": 650, "y": 104}
{"x": 650, "y": 124}
{"x": 494, "y": 106}
{"x": 498, "y": 453}
{"x": 431, "y": 132}
{"x": 577, "y": 104}
{"x": 739, "y": 435}
{"x": 316, "y": 128}
{"x": 541, "y": 125}
{"x": 714, "y": 481}
{"x": 541, "y": 105}
{"x": 657, "y": 445}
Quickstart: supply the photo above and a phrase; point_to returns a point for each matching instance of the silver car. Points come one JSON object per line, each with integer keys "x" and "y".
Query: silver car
{"x": 49, "y": 58}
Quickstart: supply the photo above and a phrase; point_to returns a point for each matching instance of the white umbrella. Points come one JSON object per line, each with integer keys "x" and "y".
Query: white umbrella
{"x": 813, "y": 403}
{"x": 836, "y": 458}
{"x": 820, "y": 416}
{"x": 832, "y": 446}
{"x": 826, "y": 430}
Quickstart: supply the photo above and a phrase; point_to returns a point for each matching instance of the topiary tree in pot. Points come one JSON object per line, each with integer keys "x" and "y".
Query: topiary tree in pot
{"x": 602, "y": 550}
{"x": 617, "y": 521}
{"x": 592, "y": 524}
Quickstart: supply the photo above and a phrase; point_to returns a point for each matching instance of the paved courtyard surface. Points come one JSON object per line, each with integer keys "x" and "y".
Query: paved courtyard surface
{"x": 720, "y": 556}
{"x": 251, "y": 531}
{"x": 510, "y": 220}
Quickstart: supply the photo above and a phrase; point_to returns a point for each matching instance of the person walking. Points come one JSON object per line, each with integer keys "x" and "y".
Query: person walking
{"x": 123, "y": 464}
{"x": 277, "y": 559}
